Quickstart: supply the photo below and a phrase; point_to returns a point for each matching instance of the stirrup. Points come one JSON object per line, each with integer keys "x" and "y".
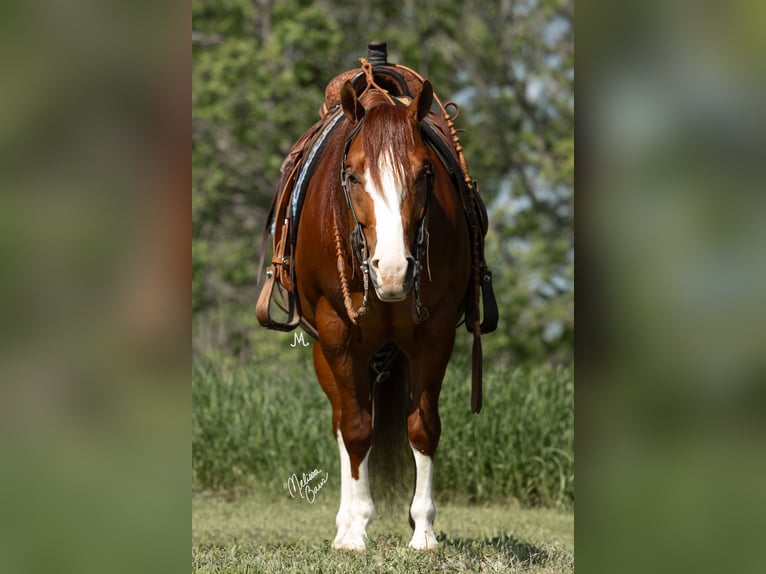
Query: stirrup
{"x": 263, "y": 307}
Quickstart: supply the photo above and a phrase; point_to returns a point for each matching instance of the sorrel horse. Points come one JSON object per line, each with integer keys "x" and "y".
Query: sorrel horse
{"x": 383, "y": 258}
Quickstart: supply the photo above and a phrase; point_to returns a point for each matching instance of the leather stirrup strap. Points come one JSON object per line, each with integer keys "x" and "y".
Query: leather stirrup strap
{"x": 262, "y": 258}
{"x": 489, "y": 313}
{"x": 489, "y": 303}
{"x": 476, "y": 371}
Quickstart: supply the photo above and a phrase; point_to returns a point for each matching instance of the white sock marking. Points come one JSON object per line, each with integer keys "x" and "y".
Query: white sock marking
{"x": 356, "y": 506}
{"x": 422, "y": 509}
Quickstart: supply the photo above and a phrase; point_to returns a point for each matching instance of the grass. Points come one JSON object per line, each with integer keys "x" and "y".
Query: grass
{"x": 262, "y": 533}
{"x": 255, "y": 424}
{"x": 504, "y": 480}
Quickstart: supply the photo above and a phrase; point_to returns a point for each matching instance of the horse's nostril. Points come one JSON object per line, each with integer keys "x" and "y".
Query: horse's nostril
{"x": 375, "y": 263}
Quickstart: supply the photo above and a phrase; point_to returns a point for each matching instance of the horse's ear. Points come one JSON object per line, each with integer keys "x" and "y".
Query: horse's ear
{"x": 421, "y": 105}
{"x": 351, "y": 106}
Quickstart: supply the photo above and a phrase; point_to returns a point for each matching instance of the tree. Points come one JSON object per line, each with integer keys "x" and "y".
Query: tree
{"x": 522, "y": 78}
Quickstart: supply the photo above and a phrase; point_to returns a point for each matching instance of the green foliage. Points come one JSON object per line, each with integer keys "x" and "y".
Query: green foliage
{"x": 260, "y": 68}
{"x": 257, "y": 84}
{"x": 255, "y": 424}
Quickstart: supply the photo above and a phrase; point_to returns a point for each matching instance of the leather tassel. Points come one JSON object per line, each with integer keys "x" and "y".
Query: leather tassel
{"x": 476, "y": 373}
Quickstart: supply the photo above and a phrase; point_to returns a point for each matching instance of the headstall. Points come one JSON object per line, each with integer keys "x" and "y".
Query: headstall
{"x": 359, "y": 243}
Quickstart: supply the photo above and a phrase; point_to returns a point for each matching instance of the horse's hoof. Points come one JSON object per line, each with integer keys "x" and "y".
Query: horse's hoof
{"x": 424, "y": 540}
{"x": 337, "y": 544}
{"x": 349, "y": 546}
{"x": 354, "y": 541}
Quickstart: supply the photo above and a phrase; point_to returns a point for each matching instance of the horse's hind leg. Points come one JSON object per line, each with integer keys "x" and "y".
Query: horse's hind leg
{"x": 352, "y": 426}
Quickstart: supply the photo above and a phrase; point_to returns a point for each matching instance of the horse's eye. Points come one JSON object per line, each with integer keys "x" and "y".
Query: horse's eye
{"x": 425, "y": 173}
{"x": 352, "y": 179}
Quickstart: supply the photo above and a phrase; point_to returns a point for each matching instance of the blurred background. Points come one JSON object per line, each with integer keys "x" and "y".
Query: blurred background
{"x": 672, "y": 332}
{"x": 94, "y": 275}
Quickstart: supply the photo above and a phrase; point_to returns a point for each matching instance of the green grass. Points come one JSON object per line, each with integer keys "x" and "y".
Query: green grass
{"x": 261, "y": 533}
{"x": 253, "y": 425}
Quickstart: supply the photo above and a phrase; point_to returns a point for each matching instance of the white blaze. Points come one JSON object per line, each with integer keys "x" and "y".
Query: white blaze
{"x": 390, "y": 258}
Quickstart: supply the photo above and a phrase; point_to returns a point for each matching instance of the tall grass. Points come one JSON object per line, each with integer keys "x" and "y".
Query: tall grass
{"x": 255, "y": 425}
{"x": 521, "y": 445}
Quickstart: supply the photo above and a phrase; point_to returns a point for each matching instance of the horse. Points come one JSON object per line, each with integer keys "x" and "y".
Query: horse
{"x": 383, "y": 260}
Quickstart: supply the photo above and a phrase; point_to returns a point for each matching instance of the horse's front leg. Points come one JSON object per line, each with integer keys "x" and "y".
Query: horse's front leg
{"x": 424, "y": 430}
{"x": 424, "y": 437}
{"x": 352, "y": 425}
{"x": 422, "y": 509}
{"x": 356, "y": 506}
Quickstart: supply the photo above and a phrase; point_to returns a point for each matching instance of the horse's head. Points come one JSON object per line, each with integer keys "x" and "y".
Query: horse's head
{"x": 388, "y": 174}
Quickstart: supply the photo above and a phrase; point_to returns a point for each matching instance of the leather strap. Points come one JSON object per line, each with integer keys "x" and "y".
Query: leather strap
{"x": 476, "y": 374}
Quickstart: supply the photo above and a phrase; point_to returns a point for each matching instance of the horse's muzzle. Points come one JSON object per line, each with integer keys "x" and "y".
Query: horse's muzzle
{"x": 392, "y": 284}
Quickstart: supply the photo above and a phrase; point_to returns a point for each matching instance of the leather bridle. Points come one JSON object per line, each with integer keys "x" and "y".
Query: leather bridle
{"x": 359, "y": 242}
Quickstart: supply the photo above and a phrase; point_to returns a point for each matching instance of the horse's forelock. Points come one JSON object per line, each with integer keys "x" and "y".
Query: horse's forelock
{"x": 386, "y": 136}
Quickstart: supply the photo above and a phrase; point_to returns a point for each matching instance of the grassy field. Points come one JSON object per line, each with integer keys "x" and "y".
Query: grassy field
{"x": 503, "y": 483}
{"x": 258, "y": 533}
